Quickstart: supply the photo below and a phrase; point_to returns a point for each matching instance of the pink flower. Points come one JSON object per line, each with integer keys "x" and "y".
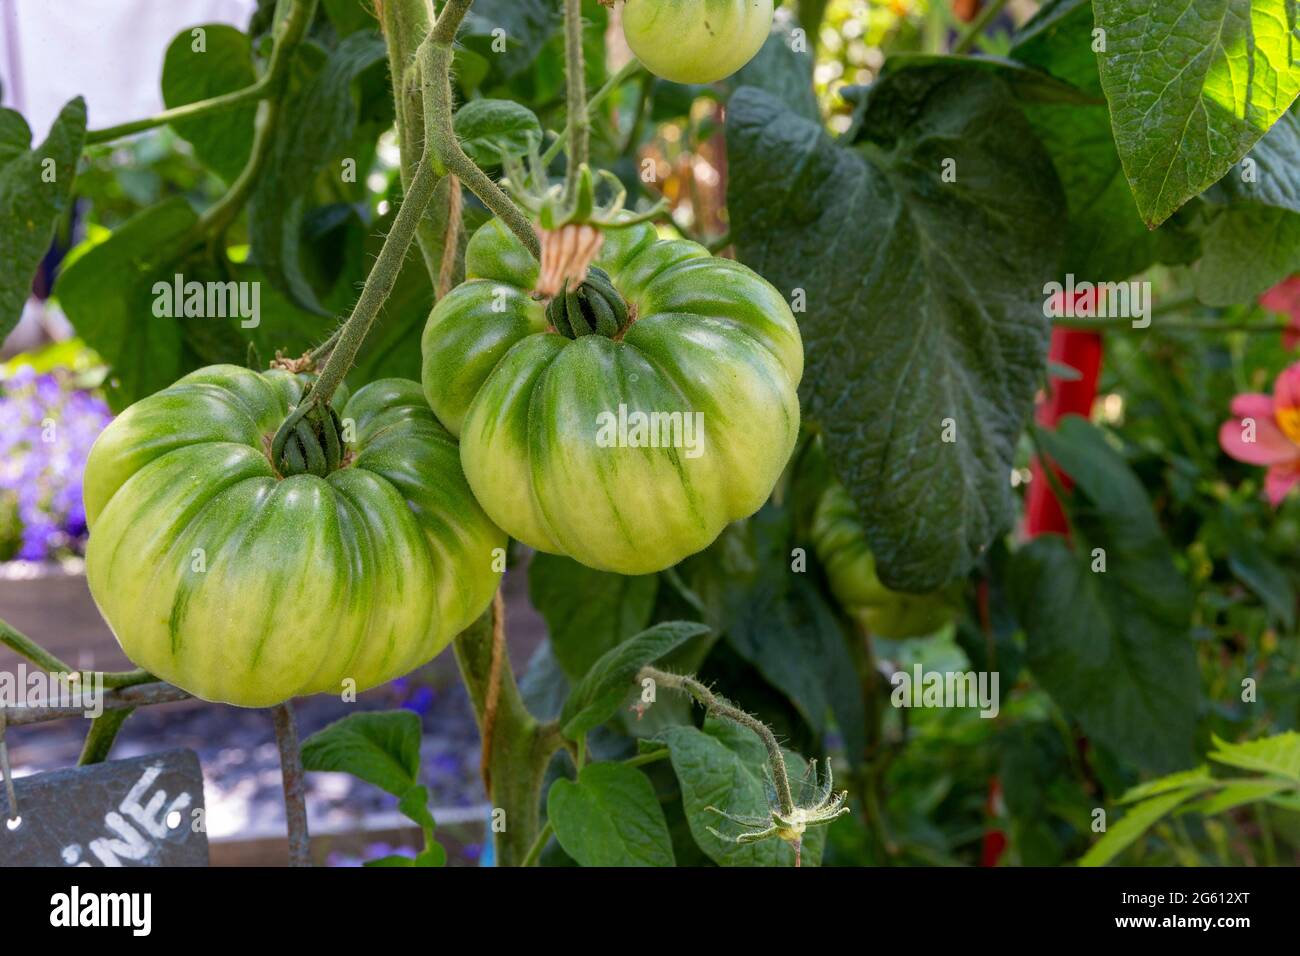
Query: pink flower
{"x": 1285, "y": 298}
{"x": 1265, "y": 430}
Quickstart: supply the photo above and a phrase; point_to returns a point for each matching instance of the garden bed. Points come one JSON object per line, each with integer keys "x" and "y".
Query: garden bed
{"x": 350, "y": 820}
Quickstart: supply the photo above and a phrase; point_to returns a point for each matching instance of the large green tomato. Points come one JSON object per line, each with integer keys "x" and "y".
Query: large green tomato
{"x": 696, "y": 41}
{"x": 244, "y": 587}
{"x": 630, "y": 452}
{"x": 840, "y": 543}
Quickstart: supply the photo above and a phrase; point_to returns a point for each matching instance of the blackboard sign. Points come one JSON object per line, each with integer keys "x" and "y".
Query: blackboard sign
{"x": 146, "y": 811}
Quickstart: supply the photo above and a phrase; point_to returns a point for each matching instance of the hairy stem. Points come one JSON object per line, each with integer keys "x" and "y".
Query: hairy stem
{"x": 579, "y": 121}
{"x": 721, "y": 708}
{"x": 434, "y": 57}
{"x": 216, "y": 104}
{"x": 379, "y": 283}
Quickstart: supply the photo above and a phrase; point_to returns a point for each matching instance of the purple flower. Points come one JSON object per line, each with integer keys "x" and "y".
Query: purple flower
{"x": 46, "y": 430}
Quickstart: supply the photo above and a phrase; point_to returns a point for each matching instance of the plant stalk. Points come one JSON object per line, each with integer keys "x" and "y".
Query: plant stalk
{"x": 721, "y": 708}
{"x": 578, "y": 122}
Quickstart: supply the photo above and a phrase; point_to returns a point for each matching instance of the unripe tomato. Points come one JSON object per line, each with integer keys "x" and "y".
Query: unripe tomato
{"x": 696, "y": 41}
{"x": 548, "y": 422}
{"x": 840, "y": 543}
{"x": 240, "y": 586}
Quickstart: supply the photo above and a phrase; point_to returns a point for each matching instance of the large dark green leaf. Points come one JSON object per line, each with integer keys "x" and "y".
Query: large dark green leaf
{"x": 1113, "y": 647}
{"x": 725, "y": 766}
{"x": 380, "y": 748}
{"x": 587, "y": 612}
{"x": 924, "y": 297}
{"x": 778, "y": 69}
{"x": 317, "y": 123}
{"x": 609, "y": 817}
{"x": 610, "y": 681}
{"x": 35, "y": 186}
{"x": 1192, "y": 85}
{"x": 107, "y": 292}
{"x": 221, "y": 140}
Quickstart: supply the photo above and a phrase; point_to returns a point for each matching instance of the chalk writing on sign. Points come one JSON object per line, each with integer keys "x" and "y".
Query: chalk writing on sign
{"x": 137, "y": 812}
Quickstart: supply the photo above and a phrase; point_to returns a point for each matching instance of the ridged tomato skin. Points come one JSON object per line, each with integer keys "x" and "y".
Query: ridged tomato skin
{"x": 246, "y": 588}
{"x": 696, "y": 41}
{"x": 711, "y": 340}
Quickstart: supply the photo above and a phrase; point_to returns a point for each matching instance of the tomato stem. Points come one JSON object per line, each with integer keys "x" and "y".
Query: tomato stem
{"x": 718, "y": 707}
{"x": 578, "y": 122}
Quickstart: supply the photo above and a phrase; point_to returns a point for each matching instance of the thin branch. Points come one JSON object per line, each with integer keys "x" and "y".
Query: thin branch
{"x": 295, "y": 784}
{"x": 120, "y": 698}
{"x": 24, "y": 646}
{"x": 978, "y": 25}
{"x": 103, "y": 732}
{"x": 535, "y": 851}
{"x": 493, "y": 696}
{"x": 721, "y": 708}
{"x": 629, "y": 70}
{"x": 434, "y": 57}
{"x": 216, "y": 104}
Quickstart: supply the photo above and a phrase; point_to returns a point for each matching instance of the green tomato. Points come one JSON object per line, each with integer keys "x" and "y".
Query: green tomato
{"x": 840, "y": 543}
{"x": 696, "y": 41}
{"x": 243, "y": 587}
{"x": 551, "y": 428}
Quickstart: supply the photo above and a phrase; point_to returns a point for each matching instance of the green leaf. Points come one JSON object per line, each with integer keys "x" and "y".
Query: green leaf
{"x": 317, "y": 123}
{"x": 349, "y": 16}
{"x": 1106, "y": 239}
{"x": 1029, "y": 84}
{"x": 1278, "y": 755}
{"x": 1112, "y": 647}
{"x": 35, "y": 191}
{"x": 609, "y": 817}
{"x": 724, "y": 766}
{"x": 1247, "y": 248}
{"x": 221, "y": 140}
{"x": 1192, "y": 86}
{"x": 395, "y": 860}
{"x": 435, "y": 854}
{"x": 1252, "y": 566}
{"x": 609, "y": 682}
{"x": 525, "y": 27}
{"x": 924, "y": 298}
{"x": 106, "y": 290}
{"x": 1195, "y": 779}
{"x": 489, "y": 130}
{"x": 1239, "y": 793}
{"x": 587, "y": 612}
{"x": 780, "y": 622}
{"x": 380, "y": 748}
{"x": 1272, "y": 177}
{"x": 1133, "y": 824}
{"x": 779, "y": 70}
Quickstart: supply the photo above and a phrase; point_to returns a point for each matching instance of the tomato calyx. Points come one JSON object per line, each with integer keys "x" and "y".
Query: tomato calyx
{"x": 310, "y": 442}
{"x": 594, "y": 307}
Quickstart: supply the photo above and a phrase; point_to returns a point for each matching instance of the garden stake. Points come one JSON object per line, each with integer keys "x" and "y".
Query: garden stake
{"x": 295, "y": 785}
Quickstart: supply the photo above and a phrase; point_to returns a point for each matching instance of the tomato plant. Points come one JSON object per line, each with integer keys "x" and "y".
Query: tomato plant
{"x": 738, "y": 350}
